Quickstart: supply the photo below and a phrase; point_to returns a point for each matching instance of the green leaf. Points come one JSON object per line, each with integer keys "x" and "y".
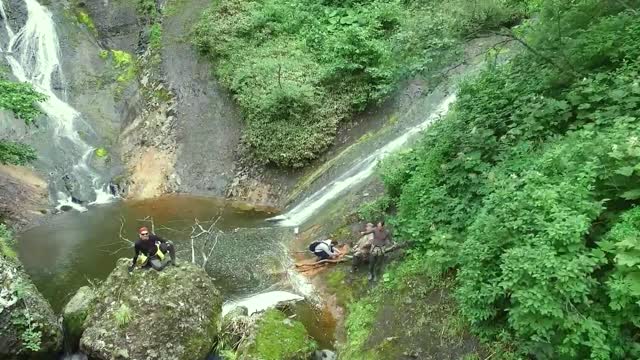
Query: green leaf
{"x": 631, "y": 194}
{"x": 634, "y": 283}
{"x": 626, "y": 259}
{"x": 625, "y": 171}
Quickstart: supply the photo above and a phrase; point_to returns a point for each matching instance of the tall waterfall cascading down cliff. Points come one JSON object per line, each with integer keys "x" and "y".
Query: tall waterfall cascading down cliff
{"x": 33, "y": 53}
{"x": 358, "y": 172}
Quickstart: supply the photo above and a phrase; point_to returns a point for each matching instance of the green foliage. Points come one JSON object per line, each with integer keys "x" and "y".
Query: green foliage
{"x": 7, "y": 243}
{"x": 16, "y": 153}
{"x": 21, "y": 99}
{"x": 280, "y": 338}
{"x": 101, "y": 152}
{"x": 30, "y": 332}
{"x": 358, "y": 326}
{"x": 516, "y": 187}
{"x": 155, "y": 37}
{"x": 623, "y": 281}
{"x": 374, "y": 211}
{"x": 147, "y": 8}
{"x": 123, "y": 62}
{"x": 123, "y": 315}
{"x": 122, "y": 59}
{"x": 299, "y": 68}
{"x": 84, "y": 19}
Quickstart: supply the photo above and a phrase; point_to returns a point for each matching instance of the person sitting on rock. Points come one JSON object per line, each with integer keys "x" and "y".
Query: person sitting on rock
{"x": 381, "y": 238}
{"x": 150, "y": 250}
{"x": 325, "y": 249}
{"x": 362, "y": 249}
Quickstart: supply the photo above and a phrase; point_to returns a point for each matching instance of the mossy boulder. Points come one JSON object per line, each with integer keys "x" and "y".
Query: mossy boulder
{"x": 29, "y": 329}
{"x": 147, "y": 314}
{"x": 76, "y": 312}
{"x": 276, "y": 337}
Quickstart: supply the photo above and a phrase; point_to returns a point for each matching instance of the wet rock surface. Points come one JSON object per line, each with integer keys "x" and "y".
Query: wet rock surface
{"x": 28, "y": 327}
{"x": 116, "y": 22}
{"x": 209, "y": 123}
{"x": 172, "y": 314}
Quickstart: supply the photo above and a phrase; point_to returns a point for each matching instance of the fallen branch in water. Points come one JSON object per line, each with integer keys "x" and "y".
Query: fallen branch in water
{"x": 321, "y": 262}
{"x": 122, "y": 221}
{"x": 198, "y": 231}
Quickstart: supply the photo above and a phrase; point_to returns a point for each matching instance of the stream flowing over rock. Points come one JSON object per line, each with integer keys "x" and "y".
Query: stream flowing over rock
{"x": 173, "y": 314}
{"x": 24, "y": 312}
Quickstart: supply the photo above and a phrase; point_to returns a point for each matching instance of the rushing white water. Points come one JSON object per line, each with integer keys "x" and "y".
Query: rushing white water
{"x": 3, "y": 17}
{"x": 34, "y": 56}
{"x": 260, "y": 302}
{"x": 357, "y": 173}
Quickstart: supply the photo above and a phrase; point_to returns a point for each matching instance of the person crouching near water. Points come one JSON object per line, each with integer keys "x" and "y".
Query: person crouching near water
{"x": 381, "y": 238}
{"x": 151, "y": 250}
{"x": 326, "y": 249}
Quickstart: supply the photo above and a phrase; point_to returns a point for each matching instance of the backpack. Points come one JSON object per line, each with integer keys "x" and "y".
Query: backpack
{"x": 312, "y": 246}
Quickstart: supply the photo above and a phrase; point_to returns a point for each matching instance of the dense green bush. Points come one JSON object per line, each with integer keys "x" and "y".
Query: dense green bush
{"x": 518, "y": 187}
{"x": 298, "y": 68}
{"x": 21, "y": 99}
{"x": 16, "y": 153}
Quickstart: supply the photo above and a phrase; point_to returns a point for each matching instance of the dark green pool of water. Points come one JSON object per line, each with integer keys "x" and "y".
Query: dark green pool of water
{"x": 72, "y": 249}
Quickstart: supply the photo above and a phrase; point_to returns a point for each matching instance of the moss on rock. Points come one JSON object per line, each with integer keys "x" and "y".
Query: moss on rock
{"x": 83, "y": 18}
{"x": 277, "y": 337}
{"x": 180, "y": 306}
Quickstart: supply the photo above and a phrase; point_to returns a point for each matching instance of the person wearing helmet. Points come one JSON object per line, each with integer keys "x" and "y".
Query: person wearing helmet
{"x": 151, "y": 249}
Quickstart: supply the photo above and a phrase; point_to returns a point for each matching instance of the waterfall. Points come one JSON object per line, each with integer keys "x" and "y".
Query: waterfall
{"x": 358, "y": 172}
{"x": 33, "y": 53}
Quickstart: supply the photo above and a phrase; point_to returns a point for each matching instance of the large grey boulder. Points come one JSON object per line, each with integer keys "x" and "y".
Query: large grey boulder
{"x": 75, "y": 313}
{"x": 28, "y": 327}
{"x": 147, "y": 314}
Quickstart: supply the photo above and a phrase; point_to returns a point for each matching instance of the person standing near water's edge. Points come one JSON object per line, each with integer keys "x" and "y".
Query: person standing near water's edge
{"x": 381, "y": 238}
{"x": 151, "y": 250}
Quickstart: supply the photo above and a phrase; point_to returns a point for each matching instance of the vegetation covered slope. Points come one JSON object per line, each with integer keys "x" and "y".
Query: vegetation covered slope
{"x": 298, "y": 68}
{"x": 527, "y": 189}
{"x": 21, "y": 99}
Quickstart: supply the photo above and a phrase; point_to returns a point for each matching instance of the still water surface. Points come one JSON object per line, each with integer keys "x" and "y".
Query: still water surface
{"x": 74, "y": 248}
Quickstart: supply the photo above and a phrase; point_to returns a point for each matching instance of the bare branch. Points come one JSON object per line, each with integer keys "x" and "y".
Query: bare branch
{"x": 204, "y": 239}
{"x": 122, "y": 222}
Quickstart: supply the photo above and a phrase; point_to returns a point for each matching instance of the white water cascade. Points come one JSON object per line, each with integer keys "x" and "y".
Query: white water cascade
{"x": 358, "y": 173}
{"x": 33, "y": 53}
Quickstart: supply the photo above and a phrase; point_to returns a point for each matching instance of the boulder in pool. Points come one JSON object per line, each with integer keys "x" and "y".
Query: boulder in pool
{"x": 171, "y": 314}
{"x": 29, "y": 328}
{"x": 277, "y": 337}
{"x": 75, "y": 313}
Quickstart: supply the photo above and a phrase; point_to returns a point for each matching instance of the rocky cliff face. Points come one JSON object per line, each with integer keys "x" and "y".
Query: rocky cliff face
{"x": 179, "y": 130}
{"x": 28, "y": 327}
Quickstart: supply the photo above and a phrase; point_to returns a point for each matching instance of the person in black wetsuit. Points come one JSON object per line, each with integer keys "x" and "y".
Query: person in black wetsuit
{"x": 148, "y": 244}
